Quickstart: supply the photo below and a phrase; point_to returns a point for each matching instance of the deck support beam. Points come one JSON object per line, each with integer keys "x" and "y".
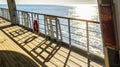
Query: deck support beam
{"x": 111, "y": 54}
{"x": 12, "y": 11}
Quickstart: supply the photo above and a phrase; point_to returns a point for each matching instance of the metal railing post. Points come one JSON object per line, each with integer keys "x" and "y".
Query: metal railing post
{"x": 88, "y": 53}
{"x": 45, "y": 20}
{"x": 60, "y": 32}
{"x": 69, "y": 30}
{"x": 57, "y": 34}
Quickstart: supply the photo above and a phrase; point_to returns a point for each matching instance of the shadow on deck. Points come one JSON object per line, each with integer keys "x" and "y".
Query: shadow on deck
{"x": 45, "y": 52}
{"x": 15, "y": 59}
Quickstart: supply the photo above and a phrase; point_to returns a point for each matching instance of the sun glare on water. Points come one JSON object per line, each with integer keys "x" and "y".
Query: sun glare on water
{"x": 86, "y": 12}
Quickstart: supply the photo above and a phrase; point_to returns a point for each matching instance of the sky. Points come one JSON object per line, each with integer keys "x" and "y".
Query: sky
{"x": 52, "y": 1}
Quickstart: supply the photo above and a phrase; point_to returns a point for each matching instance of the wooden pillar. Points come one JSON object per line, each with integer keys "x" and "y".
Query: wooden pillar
{"x": 12, "y": 11}
{"x": 117, "y": 8}
{"x": 109, "y": 32}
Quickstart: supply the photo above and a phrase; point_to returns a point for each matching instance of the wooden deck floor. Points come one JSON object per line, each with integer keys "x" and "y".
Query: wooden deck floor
{"x": 17, "y": 49}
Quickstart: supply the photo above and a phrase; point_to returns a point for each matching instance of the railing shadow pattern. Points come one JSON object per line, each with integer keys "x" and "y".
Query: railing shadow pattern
{"x": 4, "y": 23}
{"x": 80, "y": 33}
{"x": 45, "y": 52}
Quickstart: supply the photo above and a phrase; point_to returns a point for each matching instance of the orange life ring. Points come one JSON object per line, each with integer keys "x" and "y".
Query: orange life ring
{"x": 35, "y": 27}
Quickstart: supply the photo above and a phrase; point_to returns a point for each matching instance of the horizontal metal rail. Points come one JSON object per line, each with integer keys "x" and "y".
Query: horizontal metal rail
{"x": 62, "y": 17}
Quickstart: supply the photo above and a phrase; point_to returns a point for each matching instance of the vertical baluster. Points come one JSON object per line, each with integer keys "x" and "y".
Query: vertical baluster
{"x": 51, "y": 27}
{"x": 57, "y": 34}
{"x": 88, "y": 53}
{"x": 28, "y": 20}
{"x": 45, "y": 21}
{"x": 59, "y": 29}
{"x": 18, "y": 14}
{"x": 38, "y": 21}
{"x": 22, "y": 18}
{"x": 7, "y": 13}
{"x": 3, "y": 13}
{"x": 69, "y": 31}
{"x": 25, "y": 19}
{"x": 17, "y": 17}
{"x": 0, "y": 12}
{"x": 32, "y": 21}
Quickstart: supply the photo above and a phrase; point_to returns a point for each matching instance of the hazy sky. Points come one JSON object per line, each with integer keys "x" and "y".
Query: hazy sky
{"x": 52, "y": 1}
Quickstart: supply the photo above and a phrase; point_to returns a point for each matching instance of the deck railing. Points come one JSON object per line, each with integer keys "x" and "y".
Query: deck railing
{"x": 4, "y": 13}
{"x": 84, "y": 34}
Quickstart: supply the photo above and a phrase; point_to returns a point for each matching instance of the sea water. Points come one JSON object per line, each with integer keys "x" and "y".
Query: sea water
{"x": 77, "y": 11}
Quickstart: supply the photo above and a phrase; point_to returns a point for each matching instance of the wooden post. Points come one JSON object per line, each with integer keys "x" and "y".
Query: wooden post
{"x": 12, "y": 11}
{"x": 109, "y": 31}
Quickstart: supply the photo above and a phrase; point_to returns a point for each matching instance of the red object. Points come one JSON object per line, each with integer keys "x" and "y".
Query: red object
{"x": 107, "y": 26}
{"x": 35, "y": 27}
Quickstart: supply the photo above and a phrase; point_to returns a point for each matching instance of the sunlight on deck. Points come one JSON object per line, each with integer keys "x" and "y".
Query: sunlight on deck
{"x": 15, "y": 38}
{"x": 4, "y": 23}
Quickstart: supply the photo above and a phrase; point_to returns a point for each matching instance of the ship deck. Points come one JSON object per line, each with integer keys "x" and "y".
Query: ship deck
{"x": 18, "y": 49}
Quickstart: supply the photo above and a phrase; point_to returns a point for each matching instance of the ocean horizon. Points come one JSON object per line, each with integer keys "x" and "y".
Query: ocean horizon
{"x": 87, "y": 12}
